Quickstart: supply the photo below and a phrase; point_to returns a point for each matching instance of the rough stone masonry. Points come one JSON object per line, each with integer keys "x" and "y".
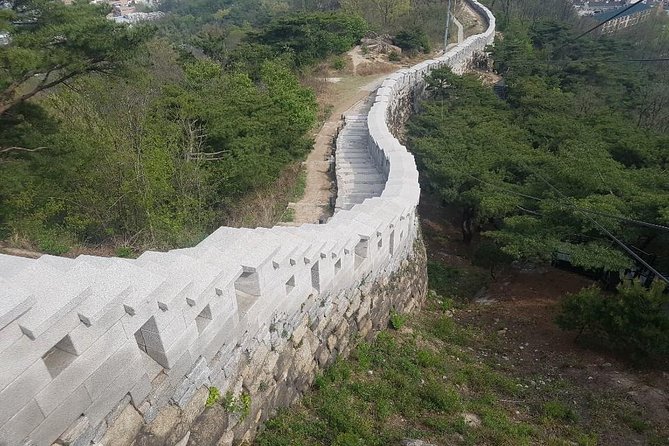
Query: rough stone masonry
{"x": 115, "y": 351}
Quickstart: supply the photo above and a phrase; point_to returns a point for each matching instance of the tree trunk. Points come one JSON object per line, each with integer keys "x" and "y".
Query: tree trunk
{"x": 467, "y": 225}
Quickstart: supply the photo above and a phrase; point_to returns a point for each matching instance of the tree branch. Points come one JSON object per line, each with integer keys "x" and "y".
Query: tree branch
{"x": 20, "y": 149}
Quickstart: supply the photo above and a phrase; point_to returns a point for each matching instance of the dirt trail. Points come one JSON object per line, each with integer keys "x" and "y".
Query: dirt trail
{"x": 314, "y": 206}
{"x": 472, "y": 22}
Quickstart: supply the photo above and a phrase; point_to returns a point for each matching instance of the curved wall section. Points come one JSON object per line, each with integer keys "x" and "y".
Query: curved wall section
{"x": 91, "y": 343}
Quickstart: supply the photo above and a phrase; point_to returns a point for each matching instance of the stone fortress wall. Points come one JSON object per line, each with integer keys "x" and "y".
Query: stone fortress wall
{"x": 117, "y": 350}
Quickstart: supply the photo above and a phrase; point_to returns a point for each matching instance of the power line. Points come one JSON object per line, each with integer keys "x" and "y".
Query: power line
{"x": 586, "y": 213}
{"x": 607, "y": 232}
{"x": 618, "y": 14}
{"x": 657, "y": 59}
{"x": 570, "y": 206}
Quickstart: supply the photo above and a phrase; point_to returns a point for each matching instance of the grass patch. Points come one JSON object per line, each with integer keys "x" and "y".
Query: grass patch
{"x": 288, "y": 215}
{"x": 397, "y": 320}
{"x": 556, "y": 410}
{"x": 300, "y": 185}
{"x": 458, "y": 283}
{"x": 416, "y": 383}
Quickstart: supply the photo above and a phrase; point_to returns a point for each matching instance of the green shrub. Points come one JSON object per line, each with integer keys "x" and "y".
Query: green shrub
{"x": 397, "y": 320}
{"x": 312, "y": 36}
{"x": 288, "y": 215}
{"x": 52, "y": 242}
{"x": 240, "y": 405}
{"x": 634, "y": 320}
{"x": 338, "y": 63}
{"x": 412, "y": 40}
{"x": 394, "y": 56}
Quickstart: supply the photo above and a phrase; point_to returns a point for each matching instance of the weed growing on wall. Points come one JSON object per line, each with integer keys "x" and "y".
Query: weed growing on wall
{"x": 213, "y": 397}
{"x": 240, "y": 405}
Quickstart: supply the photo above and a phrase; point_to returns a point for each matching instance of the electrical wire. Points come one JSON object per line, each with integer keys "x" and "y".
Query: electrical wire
{"x": 607, "y": 232}
{"x": 568, "y": 206}
{"x": 608, "y": 20}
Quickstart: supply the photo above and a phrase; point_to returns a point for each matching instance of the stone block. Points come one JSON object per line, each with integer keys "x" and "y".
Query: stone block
{"x": 117, "y": 410}
{"x": 98, "y": 433}
{"x": 24, "y": 352}
{"x": 59, "y": 294}
{"x": 22, "y": 390}
{"x": 74, "y": 431}
{"x": 199, "y": 367}
{"x": 82, "y": 368}
{"x": 187, "y": 396}
{"x": 140, "y": 390}
{"x": 116, "y": 365}
{"x": 124, "y": 430}
{"x": 115, "y": 390}
{"x": 20, "y": 425}
{"x": 67, "y": 412}
{"x": 9, "y": 335}
{"x": 181, "y": 389}
{"x": 14, "y": 302}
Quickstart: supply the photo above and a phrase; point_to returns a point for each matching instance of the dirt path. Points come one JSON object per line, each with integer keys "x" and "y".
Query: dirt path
{"x": 348, "y": 95}
{"x": 314, "y": 206}
{"x": 470, "y": 19}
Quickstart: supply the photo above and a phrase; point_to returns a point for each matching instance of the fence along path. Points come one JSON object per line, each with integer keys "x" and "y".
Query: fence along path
{"x": 79, "y": 335}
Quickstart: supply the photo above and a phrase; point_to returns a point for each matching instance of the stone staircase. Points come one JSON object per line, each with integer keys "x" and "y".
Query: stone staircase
{"x": 358, "y": 178}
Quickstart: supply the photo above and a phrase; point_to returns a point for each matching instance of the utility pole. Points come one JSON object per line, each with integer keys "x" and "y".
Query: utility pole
{"x": 448, "y": 23}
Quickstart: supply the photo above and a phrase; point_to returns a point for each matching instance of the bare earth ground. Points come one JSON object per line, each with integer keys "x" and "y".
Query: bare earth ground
{"x": 350, "y": 90}
{"x": 623, "y": 404}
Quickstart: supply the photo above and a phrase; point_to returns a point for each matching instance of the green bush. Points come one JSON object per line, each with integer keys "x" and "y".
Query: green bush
{"x": 394, "y": 56}
{"x": 556, "y": 410}
{"x": 52, "y": 242}
{"x": 338, "y": 63}
{"x": 312, "y": 36}
{"x": 634, "y": 320}
{"x": 237, "y": 405}
{"x": 412, "y": 40}
{"x": 397, "y": 320}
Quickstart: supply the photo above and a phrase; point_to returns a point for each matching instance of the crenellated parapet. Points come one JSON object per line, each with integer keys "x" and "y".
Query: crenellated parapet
{"x": 82, "y": 338}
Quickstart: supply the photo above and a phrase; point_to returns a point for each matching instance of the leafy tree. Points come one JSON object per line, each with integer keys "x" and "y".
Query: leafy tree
{"x": 52, "y": 43}
{"x": 177, "y": 144}
{"x": 310, "y": 37}
{"x": 412, "y": 40}
{"x": 523, "y": 170}
{"x": 384, "y": 13}
{"x": 634, "y": 320}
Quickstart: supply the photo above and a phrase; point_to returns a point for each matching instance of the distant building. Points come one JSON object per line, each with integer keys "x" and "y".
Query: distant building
{"x": 595, "y": 7}
{"x": 136, "y": 17}
{"x": 633, "y": 16}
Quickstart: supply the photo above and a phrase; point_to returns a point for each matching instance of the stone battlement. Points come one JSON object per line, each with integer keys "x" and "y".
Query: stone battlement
{"x": 79, "y": 337}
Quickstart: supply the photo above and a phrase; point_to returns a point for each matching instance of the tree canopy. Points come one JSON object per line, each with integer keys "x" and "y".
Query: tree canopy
{"x": 537, "y": 172}
{"x": 52, "y": 42}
